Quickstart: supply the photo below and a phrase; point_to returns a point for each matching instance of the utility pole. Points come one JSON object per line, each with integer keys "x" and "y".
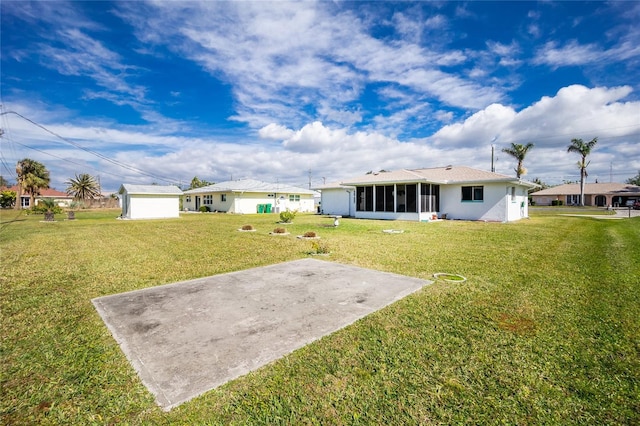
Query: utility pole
{"x": 309, "y": 178}
{"x": 493, "y": 169}
{"x": 610, "y": 172}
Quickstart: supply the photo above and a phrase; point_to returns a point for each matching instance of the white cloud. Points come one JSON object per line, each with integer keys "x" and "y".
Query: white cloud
{"x": 293, "y": 54}
{"x": 275, "y": 131}
{"x": 574, "y": 112}
{"x": 572, "y": 53}
{"x": 436, "y": 22}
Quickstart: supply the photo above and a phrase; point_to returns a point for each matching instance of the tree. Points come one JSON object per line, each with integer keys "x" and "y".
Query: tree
{"x": 543, "y": 185}
{"x": 634, "y": 180}
{"x": 7, "y": 199}
{"x": 197, "y": 183}
{"x": 4, "y": 182}
{"x": 83, "y": 187}
{"x": 518, "y": 151}
{"x": 32, "y": 176}
{"x": 584, "y": 149}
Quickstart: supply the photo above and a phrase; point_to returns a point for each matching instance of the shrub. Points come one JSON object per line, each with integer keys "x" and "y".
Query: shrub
{"x": 204, "y": 209}
{"x": 279, "y": 231}
{"x": 7, "y": 199}
{"x": 319, "y": 248}
{"x": 247, "y": 227}
{"x": 557, "y": 202}
{"x": 45, "y": 206}
{"x": 287, "y": 216}
{"x": 309, "y": 234}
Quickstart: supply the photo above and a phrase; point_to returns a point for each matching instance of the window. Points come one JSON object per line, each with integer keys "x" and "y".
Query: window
{"x": 223, "y": 197}
{"x": 429, "y": 198}
{"x": 472, "y": 193}
{"x": 188, "y": 199}
{"x": 573, "y": 199}
{"x": 364, "y": 198}
{"x": 384, "y": 198}
{"x": 513, "y": 194}
{"x": 294, "y": 197}
{"x": 406, "y": 201}
{"x": 207, "y": 199}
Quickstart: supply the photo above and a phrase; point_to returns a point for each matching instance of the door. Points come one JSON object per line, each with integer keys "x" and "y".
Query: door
{"x": 197, "y": 202}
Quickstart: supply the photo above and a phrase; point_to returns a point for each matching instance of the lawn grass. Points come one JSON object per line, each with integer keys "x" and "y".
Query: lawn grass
{"x": 544, "y": 330}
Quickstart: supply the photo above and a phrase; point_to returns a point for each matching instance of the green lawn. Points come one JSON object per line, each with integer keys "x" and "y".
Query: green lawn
{"x": 546, "y": 329}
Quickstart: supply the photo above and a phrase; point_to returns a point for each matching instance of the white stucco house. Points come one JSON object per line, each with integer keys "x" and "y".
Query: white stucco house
{"x": 452, "y": 192}
{"x": 149, "y": 201}
{"x": 246, "y": 196}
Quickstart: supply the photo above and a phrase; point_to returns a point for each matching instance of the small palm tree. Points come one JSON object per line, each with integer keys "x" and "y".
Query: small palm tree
{"x": 584, "y": 149}
{"x": 50, "y": 204}
{"x": 518, "y": 151}
{"x": 83, "y": 187}
{"x": 32, "y": 176}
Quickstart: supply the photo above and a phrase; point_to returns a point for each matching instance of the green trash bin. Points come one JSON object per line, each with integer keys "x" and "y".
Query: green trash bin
{"x": 267, "y": 208}
{"x": 260, "y": 208}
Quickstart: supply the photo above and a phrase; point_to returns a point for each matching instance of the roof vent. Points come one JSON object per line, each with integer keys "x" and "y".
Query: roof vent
{"x": 449, "y": 167}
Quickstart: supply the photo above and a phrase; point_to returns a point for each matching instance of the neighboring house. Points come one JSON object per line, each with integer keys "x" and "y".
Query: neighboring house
{"x": 595, "y": 194}
{"x": 149, "y": 201}
{"x": 247, "y": 196}
{"x": 422, "y": 194}
{"x": 61, "y": 199}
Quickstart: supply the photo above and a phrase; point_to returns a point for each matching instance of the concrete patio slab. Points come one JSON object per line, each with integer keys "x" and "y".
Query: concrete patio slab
{"x": 186, "y": 338}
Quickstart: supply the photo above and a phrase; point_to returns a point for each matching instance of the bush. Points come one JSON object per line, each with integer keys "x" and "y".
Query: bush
{"x": 204, "y": 209}
{"x": 43, "y": 208}
{"x": 557, "y": 202}
{"x": 319, "y": 248}
{"x": 7, "y": 199}
{"x": 287, "y": 216}
{"x": 309, "y": 234}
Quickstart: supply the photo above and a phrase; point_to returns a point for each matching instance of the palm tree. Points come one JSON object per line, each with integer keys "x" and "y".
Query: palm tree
{"x": 32, "y": 177}
{"x": 50, "y": 205}
{"x": 518, "y": 151}
{"x": 83, "y": 187}
{"x": 584, "y": 149}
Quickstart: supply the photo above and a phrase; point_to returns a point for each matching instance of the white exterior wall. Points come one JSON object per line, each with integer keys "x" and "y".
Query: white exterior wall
{"x": 152, "y": 206}
{"x": 497, "y": 205}
{"x": 519, "y": 208}
{"x": 247, "y": 202}
{"x": 338, "y": 201}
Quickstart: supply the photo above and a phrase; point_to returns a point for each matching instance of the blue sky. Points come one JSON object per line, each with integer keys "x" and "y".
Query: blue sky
{"x": 160, "y": 92}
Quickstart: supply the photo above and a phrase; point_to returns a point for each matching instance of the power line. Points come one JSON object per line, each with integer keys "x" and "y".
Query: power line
{"x": 65, "y": 159}
{"x": 97, "y": 154}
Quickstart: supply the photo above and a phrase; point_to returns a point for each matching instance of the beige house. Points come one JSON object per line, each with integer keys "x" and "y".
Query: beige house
{"x": 595, "y": 194}
{"x": 246, "y": 196}
{"x": 61, "y": 199}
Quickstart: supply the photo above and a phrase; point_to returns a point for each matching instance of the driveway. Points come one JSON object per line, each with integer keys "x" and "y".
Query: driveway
{"x": 186, "y": 338}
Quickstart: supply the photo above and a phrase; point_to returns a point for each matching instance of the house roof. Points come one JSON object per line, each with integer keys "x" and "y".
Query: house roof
{"x": 49, "y": 192}
{"x": 439, "y": 175}
{"x": 149, "y": 189}
{"x": 250, "y": 185}
{"x": 330, "y": 185}
{"x": 623, "y": 189}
